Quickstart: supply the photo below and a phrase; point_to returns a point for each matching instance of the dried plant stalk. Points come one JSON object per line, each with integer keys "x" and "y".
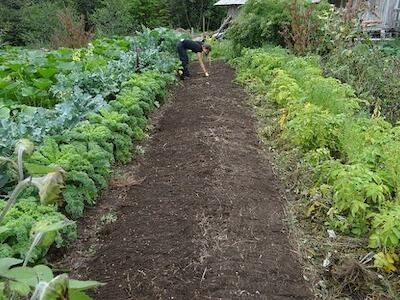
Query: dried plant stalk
{"x": 73, "y": 34}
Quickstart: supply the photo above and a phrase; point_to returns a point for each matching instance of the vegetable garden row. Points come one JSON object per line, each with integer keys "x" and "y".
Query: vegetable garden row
{"x": 350, "y": 161}
{"x": 66, "y": 117}
{"x": 330, "y": 106}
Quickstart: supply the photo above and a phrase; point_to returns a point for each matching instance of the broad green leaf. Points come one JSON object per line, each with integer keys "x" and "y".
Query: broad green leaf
{"x": 7, "y": 262}
{"x": 4, "y": 83}
{"x": 47, "y": 72}
{"x": 66, "y": 66}
{"x": 29, "y": 110}
{"x": 28, "y": 91}
{"x": 84, "y": 285}
{"x": 98, "y": 51}
{"x": 42, "y": 83}
{"x": 78, "y": 295}
{"x": 23, "y": 274}
{"x": 17, "y": 67}
{"x": 12, "y": 86}
{"x": 44, "y": 273}
{"x": 4, "y": 229}
{"x": 65, "y": 53}
{"x": 95, "y": 63}
{"x": 4, "y": 113}
{"x": 21, "y": 288}
{"x": 30, "y": 69}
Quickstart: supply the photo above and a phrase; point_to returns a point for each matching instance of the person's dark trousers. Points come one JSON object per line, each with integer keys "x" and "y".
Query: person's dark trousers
{"x": 183, "y": 56}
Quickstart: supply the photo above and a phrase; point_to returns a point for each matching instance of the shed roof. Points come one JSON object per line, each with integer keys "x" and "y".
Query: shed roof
{"x": 230, "y": 2}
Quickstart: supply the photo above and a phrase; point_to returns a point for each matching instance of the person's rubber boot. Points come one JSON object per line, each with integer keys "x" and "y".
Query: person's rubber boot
{"x": 186, "y": 74}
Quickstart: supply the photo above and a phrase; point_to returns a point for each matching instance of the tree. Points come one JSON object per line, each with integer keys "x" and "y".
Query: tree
{"x": 126, "y": 16}
{"x": 86, "y": 8}
{"x": 113, "y": 17}
{"x": 33, "y": 22}
{"x": 190, "y": 14}
{"x": 10, "y": 21}
{"x": 150, "y": 13}
{"x": 40, "y": 21}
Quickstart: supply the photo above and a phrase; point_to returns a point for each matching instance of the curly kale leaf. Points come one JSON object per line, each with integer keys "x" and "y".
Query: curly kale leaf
{"x": 100, "y": 159}
{"x": 87, "y": 132}
{"x": 17, "y": 224}
{"x": 139, "y": 134}
{"x": 123, "y": 148}
{"x": 122, "y": 134}
{"x": 81, "y": 180}
{"x": 142, "y": 122}
{"x": 65, "y": 156}
{"x": 148, "y": 83}
{"x": 74, "y": 199}
{"x": 113, "y": 120}
{"x": 147, "y": 108}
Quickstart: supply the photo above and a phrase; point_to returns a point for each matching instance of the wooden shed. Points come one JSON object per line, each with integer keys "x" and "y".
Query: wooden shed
{"x": 233, "y": 11}
{"x": 233, "y": 6}
{"x": 381, "y": 16}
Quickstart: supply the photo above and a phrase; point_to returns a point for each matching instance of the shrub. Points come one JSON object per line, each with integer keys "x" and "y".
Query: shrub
{"x": 40, "y": 22}
{"x": 372, "y": 73}
{"x": 330, "y": 94}
{"x": 10, "y": 21}
{"x": 260, "y": 22}
{"x": 113, "y": 17}
{"x": 124, "y": 17}
{"x": 297, "y": 24}
{"x": 222, "y": 50}
{"x": 304, "y": 34}
{"x": 357, "y": 192}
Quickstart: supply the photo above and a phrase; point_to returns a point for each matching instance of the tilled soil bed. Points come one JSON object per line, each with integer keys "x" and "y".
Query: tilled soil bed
{"x": 199, "y": 215}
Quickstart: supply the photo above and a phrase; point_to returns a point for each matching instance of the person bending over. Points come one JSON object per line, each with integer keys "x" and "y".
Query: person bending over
{"x": 197, "y": 47}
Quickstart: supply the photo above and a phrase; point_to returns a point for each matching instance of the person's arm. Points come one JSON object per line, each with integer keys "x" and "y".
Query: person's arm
{"x": 200, "y": 57}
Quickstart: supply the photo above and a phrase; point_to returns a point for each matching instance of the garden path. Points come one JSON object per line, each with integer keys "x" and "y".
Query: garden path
{"x": 200, "y": 214}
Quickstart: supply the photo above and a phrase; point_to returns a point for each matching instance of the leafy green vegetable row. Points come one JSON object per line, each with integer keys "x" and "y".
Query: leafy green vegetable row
{"x": 102, "y": 110}
{"x": 27, "y": 76}
{"x": 86, "y": 154}
{"x": 44, "y": 93}
{"x": 354, "y": 158}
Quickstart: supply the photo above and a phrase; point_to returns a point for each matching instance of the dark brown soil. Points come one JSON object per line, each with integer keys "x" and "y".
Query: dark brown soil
{"x": 200, "y": 216}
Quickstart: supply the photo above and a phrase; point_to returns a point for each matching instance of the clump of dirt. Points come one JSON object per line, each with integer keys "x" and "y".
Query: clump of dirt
{"x": 201, "y": 214}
